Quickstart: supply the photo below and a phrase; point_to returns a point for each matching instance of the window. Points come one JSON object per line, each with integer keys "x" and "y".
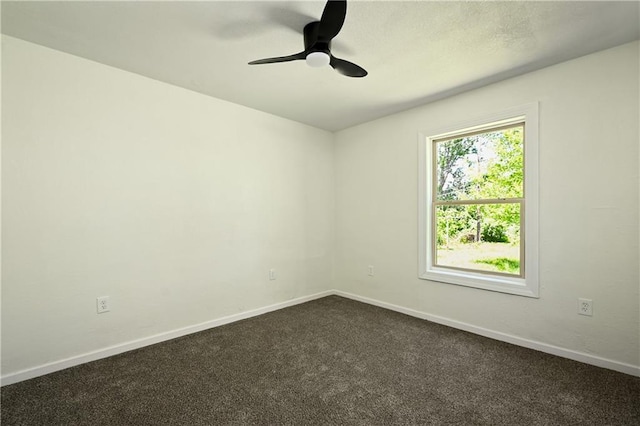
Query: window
{"x": 478, "y": 203}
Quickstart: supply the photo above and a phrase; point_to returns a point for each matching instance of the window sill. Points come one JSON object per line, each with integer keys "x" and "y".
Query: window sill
{"x": 517, "y": 286}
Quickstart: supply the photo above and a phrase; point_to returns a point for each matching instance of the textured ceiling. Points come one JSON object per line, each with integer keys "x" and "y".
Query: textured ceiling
{"x": 415, "y": 51}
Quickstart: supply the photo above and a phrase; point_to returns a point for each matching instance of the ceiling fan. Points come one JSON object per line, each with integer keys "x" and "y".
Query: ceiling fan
{"x": 317, "y": 42}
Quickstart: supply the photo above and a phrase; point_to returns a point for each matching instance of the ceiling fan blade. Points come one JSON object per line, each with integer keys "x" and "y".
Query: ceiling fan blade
{"x": 332, "y": 19}
{"x": 347, "y": 68}
{"x": 295, "y": 57}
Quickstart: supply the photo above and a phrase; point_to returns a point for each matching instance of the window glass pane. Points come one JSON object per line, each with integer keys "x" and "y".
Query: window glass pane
{"x": 483, "y": 166}
{"x": 483, "y": 237}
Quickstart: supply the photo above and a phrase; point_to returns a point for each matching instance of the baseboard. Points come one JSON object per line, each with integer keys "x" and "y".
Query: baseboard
{"x": 41, "y": 370}
{"x": 508, "y": 338}
{"x": 151, "y": 340}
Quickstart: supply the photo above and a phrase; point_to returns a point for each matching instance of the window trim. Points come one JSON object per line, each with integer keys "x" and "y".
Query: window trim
{"x": 523, "y": 286}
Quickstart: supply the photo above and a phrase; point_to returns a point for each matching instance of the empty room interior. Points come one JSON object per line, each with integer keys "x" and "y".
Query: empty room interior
{"x": 311, "y": 212}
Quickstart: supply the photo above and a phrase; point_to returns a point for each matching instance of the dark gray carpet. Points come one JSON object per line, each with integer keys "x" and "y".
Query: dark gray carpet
{"x": 330, "y": 361}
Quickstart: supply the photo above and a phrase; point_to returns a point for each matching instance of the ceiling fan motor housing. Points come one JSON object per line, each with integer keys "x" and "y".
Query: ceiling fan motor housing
{"x": 311, "y": 41}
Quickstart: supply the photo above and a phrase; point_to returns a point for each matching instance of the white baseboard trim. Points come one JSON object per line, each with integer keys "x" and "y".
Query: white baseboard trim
{"x": 586, "y": 358}
{"x": 51, "y": 367}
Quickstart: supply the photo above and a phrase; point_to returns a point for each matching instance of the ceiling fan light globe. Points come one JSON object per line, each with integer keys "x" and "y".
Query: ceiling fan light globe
{"x": 318, "y": 59}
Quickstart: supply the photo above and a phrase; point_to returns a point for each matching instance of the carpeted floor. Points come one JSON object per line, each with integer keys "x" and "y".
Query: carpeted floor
{"x": 330, "y": 361}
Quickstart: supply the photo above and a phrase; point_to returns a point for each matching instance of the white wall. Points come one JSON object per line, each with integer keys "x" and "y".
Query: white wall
{"x": 176, "y": 205}
{"x": 588, "y": 208}
{"x": 172, "y": 203}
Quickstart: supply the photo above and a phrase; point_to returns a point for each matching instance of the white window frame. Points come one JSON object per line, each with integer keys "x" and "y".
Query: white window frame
{"x": 523, "y": 286}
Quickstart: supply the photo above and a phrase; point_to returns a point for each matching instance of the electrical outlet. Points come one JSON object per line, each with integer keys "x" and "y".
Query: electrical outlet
{"x": 102, "y": 304}
{"x": 370, "y": 270}
{"x": 585, "y": 307}
{"x": 272, "y": 274}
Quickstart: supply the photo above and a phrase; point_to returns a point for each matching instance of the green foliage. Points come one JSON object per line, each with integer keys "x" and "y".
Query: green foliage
{"x": 503, "y": 177}
{"x": 485, "y": 166}
{"x": 450, "y": 172}
{"x": 494, "y": 233}
{"x": 451, "y": 221}
{"x": 503, "y": 264}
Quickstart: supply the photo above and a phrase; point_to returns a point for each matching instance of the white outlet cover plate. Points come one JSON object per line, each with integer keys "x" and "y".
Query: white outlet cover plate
{"x": 585, "y": 307}
{"x": 102, "y": 304}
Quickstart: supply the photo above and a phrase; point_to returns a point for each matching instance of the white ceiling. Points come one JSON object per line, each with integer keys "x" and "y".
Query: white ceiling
{"x": 415, "y": 51}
